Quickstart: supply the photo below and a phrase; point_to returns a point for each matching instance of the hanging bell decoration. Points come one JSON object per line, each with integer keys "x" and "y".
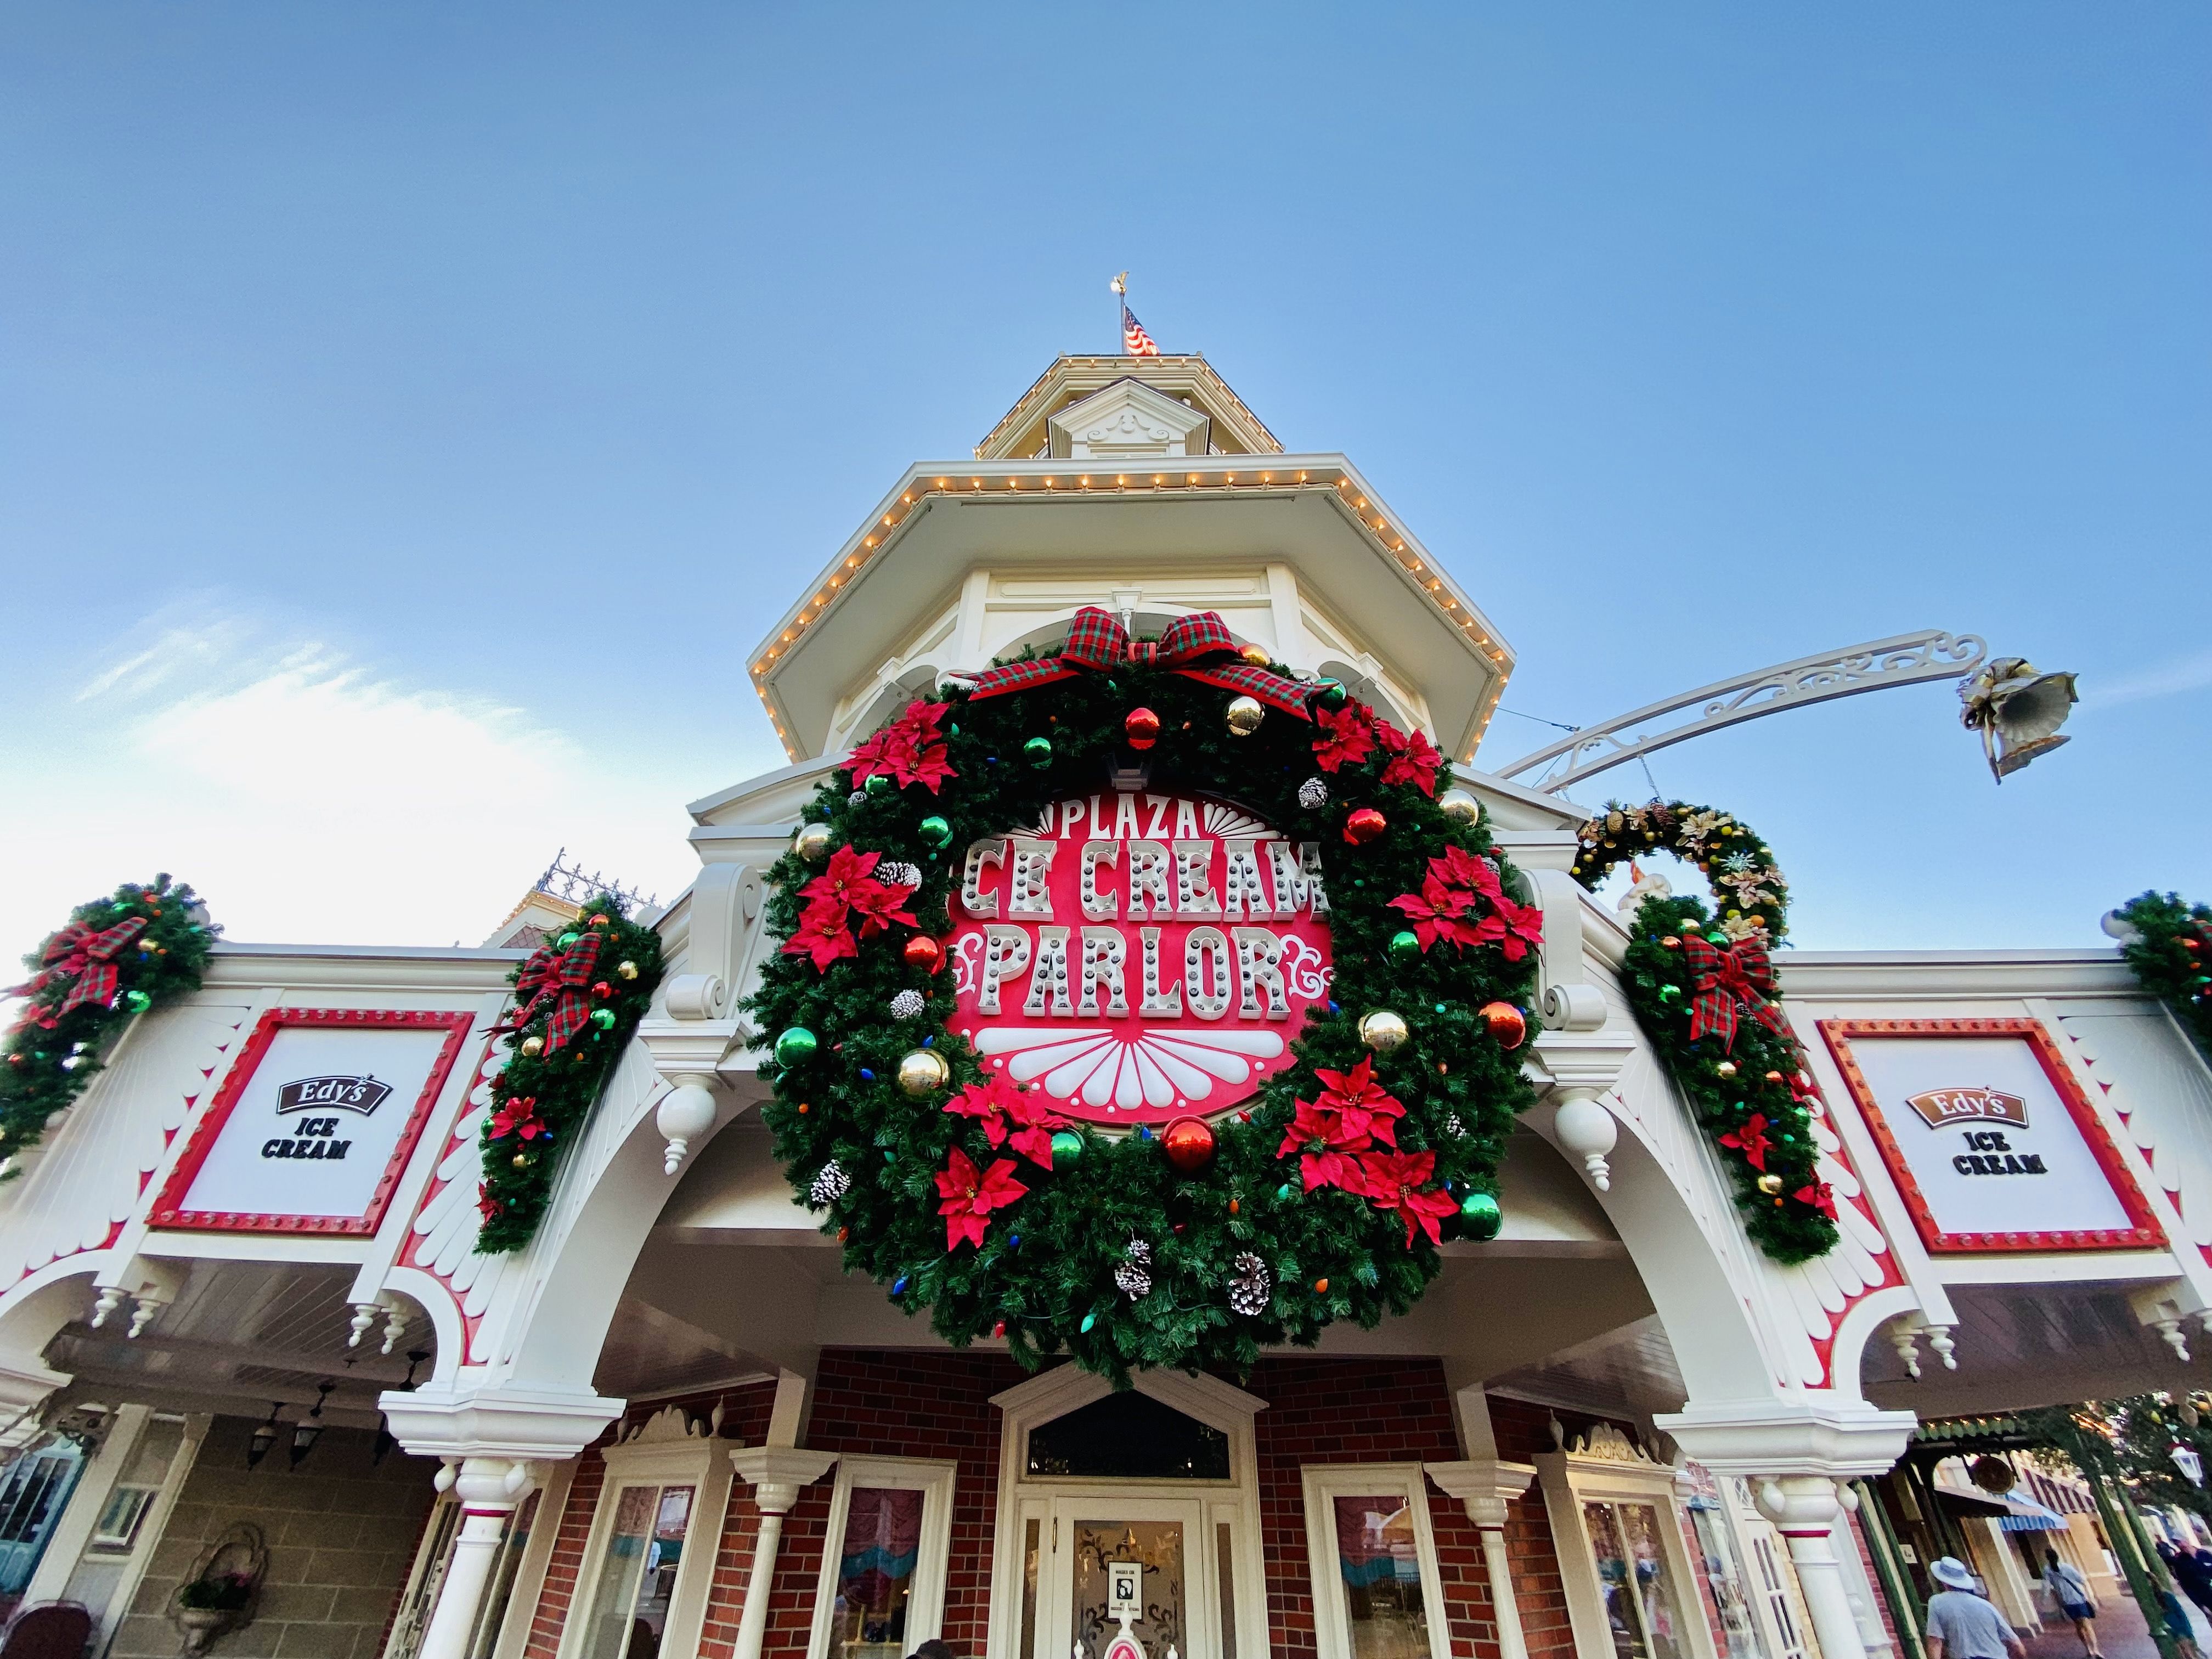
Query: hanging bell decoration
{"x": 2018, "y": 711}
{"x": 923, "y": 1071}
{"x": 1244, "y": 715}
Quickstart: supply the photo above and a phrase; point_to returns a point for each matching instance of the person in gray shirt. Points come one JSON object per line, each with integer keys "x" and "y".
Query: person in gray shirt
{"x": 1960, "y": 1624}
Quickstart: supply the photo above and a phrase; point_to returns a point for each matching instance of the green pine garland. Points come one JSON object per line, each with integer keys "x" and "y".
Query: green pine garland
{"x": 545, "y": 1096}
{"x": 48, "y": 1065}
{"x": 2171, "y": 955}
{"x": 1740, "y": 1093}
{"x": 1045, "y": 1274}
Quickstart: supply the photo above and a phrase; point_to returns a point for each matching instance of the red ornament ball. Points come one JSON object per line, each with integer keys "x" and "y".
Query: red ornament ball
{"x": 1506, "y": 1022}
{"x": 1365, "y": 825}
{"x": 1188, "y": 1143}
{"x": 603, "y": 989}
{"x": 1142, "y": 728}
{"x": 924, "y": 952}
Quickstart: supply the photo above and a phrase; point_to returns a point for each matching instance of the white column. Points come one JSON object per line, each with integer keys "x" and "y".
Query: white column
{"x": 1805, "y": 1509}
{"x": 775, "y": 1474}
{"x": 1485, "y": 1486}
{"x": 489, "y": 1489}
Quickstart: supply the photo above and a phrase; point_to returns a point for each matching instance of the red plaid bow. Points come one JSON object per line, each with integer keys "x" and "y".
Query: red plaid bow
{"x": 560, "y": 977}
{"x": 79, "y": 953}
{"x": 1730, "y": 978}
{"x": 1095, "y": 640}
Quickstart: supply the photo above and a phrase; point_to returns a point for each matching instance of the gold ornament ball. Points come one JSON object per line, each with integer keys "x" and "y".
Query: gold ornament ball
{"x": 813, "y": 842}
{"x": 1382, "y": 1031}
{"x": 627, "y": 969}
{"x": 1726, "y": 1068}
{"x": 1460, "y": 808}
{"x": 1257, "y": 655}
{"x": 522, "y": 1160}
{"x": 923, "y": 1071}
{"x": 533, "y": 1046}
{"x": 1244, "y": 715}
{"x": 1770, "y": 1184}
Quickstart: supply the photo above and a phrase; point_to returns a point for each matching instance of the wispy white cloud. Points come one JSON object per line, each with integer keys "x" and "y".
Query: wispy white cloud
{"x": 2188, "y": 674}
{"x": 310, "y": 797}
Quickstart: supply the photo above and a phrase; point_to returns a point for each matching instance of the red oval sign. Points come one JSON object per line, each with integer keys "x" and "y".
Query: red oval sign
{"x": 1139, "y": 956}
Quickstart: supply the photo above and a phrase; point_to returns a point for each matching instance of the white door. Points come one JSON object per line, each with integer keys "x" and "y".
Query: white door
{"x": 1178, "y": 1589}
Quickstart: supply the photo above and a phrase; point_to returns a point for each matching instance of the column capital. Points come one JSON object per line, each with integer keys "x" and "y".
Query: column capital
{"x": 515, "y": 1425}
{"x": 1769, "y": 1439}
{"x": 1485, "y": 1485}
{"x": 776, "y": 1472}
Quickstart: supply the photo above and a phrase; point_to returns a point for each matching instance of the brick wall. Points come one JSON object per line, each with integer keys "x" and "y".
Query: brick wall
{"x": 937, "y": 1405}
{"x": 342, "y": 1535}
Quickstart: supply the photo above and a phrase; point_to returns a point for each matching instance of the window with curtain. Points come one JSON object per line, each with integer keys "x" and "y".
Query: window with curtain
{"x": 637, "y": 1574}
{"x": 1378, "y": 1556}
{"x": 876, "y": 1566}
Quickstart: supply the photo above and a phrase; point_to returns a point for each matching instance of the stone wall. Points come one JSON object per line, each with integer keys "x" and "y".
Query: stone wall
{"x": 342, "y": 1535}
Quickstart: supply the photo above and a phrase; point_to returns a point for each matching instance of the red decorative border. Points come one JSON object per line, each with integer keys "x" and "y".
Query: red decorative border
{"x": 165, "y": 1213}
{"x": 2145, "y": 1233}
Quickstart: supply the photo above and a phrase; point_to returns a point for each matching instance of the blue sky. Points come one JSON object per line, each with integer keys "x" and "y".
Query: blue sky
{"x": 410, "y": 416}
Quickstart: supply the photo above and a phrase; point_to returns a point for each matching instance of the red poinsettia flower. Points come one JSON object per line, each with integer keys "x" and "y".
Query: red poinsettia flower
{"x": 848, "y": 869}
{"x": 970, "y": 1197}
{"x": 1821, "y": 1195}
{"x": 1413, "y": 758}
{"x": 1398, "y": 1182}
{"x": 1360, "y": 1102}
{"x": 518, "y": 1117}
{"x": 488, "y": 1206}
{"x": 1440, "y": 912}
{"x": 824, "y": 947}
{"x": 910, "y": 750}
{"x": 1010, "y": 1117}
{"x": 1459, "y": 868}
{"x": 1326, "y": 1143}
{"x": 1751, "y": 1140}
{"x": 876, "y": 904}
{"x": 1348, "y": 736}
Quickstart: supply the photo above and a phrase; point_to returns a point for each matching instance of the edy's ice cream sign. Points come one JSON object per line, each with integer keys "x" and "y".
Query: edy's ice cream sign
{"x": 1140, "y": 956}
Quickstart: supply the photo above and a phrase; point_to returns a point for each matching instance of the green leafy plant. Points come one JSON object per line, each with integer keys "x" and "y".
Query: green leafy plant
{"x": 116, "y": 958}
{"x": 580, "y": 996}
{"x": 2171, "y": 956}
{"x": 1702, "y": 990}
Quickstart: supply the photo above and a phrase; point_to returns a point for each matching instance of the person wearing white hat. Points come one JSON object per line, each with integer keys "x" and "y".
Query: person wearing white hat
{"x": 1960, "y": 1624}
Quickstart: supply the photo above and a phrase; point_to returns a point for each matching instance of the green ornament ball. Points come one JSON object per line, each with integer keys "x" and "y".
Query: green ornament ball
{"x": 568, "y": 939}
{"x": 934, "y": 830}
{"x": 1067, "y": 1147}
{"x": 1669, "y": 992}
{"x": 603, "y": 1018}
{"x": 137, "y": 1002}
{"x": 879, "y": 785}
{"x": 1037, "y": 751}
{"x": 1404, "y": 946}
{"x": 796, "y": 1047}
{"x": 1331, "y": 695}
{"x": 1480, "y": 1216}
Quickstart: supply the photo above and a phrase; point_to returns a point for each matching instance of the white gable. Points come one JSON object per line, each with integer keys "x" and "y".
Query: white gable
{"x": 1126, "y": 421}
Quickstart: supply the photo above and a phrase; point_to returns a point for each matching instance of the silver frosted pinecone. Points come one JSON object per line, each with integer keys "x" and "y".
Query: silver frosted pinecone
{"x": 830, "y": 1184}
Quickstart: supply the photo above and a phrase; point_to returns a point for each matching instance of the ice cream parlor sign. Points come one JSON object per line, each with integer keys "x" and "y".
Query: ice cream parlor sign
{"x": 1139, "y": 956}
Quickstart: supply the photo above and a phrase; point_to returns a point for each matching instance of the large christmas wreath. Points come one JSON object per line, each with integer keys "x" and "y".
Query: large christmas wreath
{"x": 1703, "y": 988}
{"x": 143, "y": 947}
{"x": 1322, "y": 1197}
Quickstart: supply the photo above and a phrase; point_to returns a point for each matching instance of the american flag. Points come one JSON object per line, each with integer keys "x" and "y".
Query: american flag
{"x": 1135, "y": 343}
